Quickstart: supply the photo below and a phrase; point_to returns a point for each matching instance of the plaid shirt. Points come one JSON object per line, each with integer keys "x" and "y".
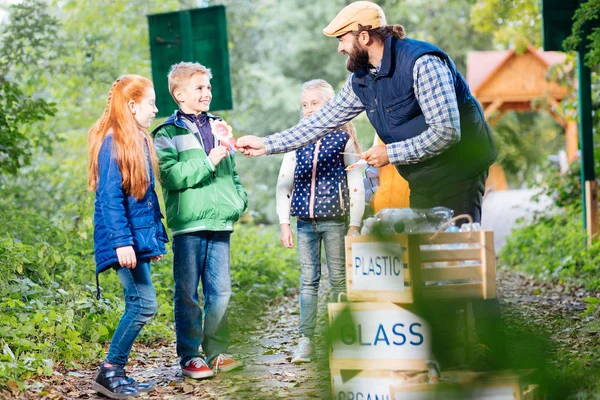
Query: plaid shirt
{"x": 434, "y": 91}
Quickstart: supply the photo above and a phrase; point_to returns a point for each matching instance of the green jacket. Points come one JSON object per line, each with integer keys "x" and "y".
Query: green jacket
{"x": 198, "y": 195}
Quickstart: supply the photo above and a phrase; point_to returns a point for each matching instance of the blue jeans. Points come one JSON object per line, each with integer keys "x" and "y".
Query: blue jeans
{"x": 140, "y": 306}
{"x": 201, "y": 256}
{"x": 310, "y": 235}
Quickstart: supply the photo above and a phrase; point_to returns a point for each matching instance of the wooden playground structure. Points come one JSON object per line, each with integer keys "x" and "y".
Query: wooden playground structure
{"x": 505, "y": 81}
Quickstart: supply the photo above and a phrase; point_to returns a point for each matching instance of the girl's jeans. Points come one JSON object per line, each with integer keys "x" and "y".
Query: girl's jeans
{"x": 201, "y": 256}
{"x": 311, "y": 232}
{"x": 140, "y": 306}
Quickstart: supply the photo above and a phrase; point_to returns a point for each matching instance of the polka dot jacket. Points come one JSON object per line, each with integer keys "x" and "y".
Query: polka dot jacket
{"x": 320, "y": 187}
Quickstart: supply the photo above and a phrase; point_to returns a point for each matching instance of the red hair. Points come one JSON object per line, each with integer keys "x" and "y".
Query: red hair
{"x": 129, "y": 140}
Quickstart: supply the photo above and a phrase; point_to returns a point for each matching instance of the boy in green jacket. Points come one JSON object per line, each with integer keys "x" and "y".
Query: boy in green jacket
{"x": 203, "y": 198}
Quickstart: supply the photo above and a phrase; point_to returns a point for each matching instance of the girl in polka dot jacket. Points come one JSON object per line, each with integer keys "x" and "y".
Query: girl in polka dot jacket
{"x": 314, "y": 187}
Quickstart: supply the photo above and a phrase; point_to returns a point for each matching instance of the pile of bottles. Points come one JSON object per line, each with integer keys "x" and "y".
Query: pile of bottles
{"x": 407, "y": 220}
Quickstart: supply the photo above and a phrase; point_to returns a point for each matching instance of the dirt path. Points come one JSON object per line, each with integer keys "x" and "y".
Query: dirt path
{"x": 268, "y": 373}
{"x": 555, "y": 311}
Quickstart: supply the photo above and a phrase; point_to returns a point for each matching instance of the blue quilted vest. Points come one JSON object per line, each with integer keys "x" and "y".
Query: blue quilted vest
{"x": 394, "y": 111}
{"x": 320, "y": 186}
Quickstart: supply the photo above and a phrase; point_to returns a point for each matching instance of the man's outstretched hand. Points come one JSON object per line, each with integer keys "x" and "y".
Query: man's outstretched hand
{"x": 251, "y": 146}
{"x": 376, "y": 156}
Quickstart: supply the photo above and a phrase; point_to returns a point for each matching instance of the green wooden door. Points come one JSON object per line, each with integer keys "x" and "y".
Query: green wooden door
{"x": 190, "y": 35}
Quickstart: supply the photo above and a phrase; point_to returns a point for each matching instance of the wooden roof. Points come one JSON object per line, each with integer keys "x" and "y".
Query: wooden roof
{"x": 511, "y": 77}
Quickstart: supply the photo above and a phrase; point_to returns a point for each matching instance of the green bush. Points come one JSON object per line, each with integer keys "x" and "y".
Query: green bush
{"x": 48, "y": 313}
{"x": 553, "y": 248}
{"x": 260, "y": 269}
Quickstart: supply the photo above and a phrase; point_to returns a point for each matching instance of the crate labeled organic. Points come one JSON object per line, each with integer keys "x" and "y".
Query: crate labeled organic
{"x": 459, "y": 385}
{"x": 375, "y": 385}
{"x": 377, "y": 336}
{"x": 353, "y": 384}
{"x": 400, "y": 268}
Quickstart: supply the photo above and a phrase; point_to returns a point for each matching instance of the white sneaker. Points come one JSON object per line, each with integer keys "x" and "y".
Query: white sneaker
{"x": 303, "y": 352}
{"x": 225, "y": 363}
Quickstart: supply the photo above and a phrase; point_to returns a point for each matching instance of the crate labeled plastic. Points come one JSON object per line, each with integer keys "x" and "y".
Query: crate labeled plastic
{"x": 402, "y": 268}
{"x": 377, "y": 336}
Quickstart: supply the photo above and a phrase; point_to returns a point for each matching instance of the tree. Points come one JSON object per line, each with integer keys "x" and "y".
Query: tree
{"x": 514, "y": 23}
{"x": 524, "y": 140}
{"x": 587, "y": 12}
{"x": 24, "y": 43}
{"x": 444, "y": 23}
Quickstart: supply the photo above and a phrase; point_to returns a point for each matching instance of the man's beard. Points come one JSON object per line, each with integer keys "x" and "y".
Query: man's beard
{"x": 358, "y": 59}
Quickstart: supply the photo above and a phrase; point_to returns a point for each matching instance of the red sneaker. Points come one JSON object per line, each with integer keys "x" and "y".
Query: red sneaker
{"x": 225, "y": 363}
{"x": 196, "y": 368}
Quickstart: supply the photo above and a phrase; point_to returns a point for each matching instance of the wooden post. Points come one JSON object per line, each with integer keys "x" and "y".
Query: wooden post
{"x": 496, "y": 180}
{"x": 414, "y": 266}
{"x": 586, "y": 139}
{"x": 497, "y": 117}
{"x": 489, "y": 110}
{"x": 591, "y": 205}
{"x": 488, "y": 264}
{"x": 572, "y": 138}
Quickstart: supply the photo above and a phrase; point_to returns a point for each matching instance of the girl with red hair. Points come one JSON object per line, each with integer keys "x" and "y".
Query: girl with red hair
{"x": 128, "y": 232}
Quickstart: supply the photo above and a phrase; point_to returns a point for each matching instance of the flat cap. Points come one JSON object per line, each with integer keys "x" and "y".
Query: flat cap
{"x": 362, "y": 13}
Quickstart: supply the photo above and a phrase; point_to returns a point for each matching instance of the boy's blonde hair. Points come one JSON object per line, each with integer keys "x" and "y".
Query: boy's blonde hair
{"x": 181, "y": 73}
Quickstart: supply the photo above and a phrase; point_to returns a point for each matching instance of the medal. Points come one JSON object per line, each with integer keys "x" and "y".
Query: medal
{"x": 222, "y": 131}
{"x": 358, "y": 164}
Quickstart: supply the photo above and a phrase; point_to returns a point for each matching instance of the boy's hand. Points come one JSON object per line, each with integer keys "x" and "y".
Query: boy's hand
{"x": 251, "y": 146}
{"x": 126, "y": 256}
{"x": 217, "y": 154}
{"x": 287, "y": 237}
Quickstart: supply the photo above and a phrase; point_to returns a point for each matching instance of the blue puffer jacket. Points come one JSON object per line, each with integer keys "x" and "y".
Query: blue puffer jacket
{"x": 121, "y": 220}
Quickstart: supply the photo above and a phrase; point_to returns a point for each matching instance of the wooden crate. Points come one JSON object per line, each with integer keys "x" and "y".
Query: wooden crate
{"x": 352, "y": 384}
{"x": 406, "y": 267}
{"x": 459, "y": 385}
{"x": 377, "y": 336}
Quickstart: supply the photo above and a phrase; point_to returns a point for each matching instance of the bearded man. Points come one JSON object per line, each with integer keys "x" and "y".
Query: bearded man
{"x": 433, "y": 129}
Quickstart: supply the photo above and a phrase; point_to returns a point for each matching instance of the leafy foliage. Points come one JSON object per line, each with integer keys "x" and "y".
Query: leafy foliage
{"x": 532, "y": 248}
{"x": 23, "y": 43}
{"x": 446, "y": 24}
{"x": 564, "y": 190}
{"x": 260, "y": 271}
{"x": 514, "y": 23}
{"x": 587, "y": 12}
{"x": 523, "y": 141}
{"x": 29, "y": 38}
{"x": 18, "y": 117}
